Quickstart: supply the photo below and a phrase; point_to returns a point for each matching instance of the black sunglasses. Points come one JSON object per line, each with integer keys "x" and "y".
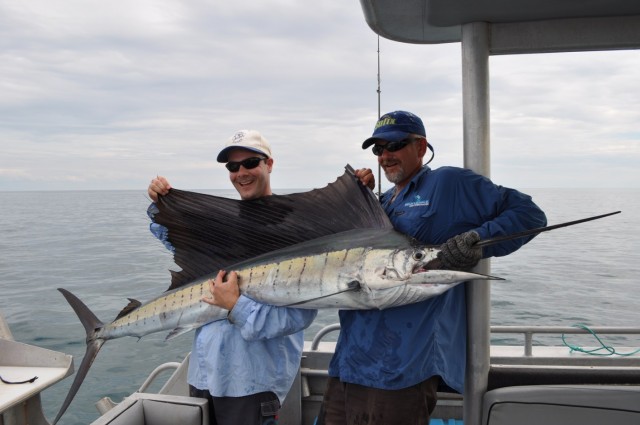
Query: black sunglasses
{"x": 248, "y": 164}
{"x": 391, "y": 147}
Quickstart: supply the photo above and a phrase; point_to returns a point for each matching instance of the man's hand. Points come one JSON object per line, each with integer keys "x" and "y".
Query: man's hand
{"x": 224, "y": 293}
{"x": 459, "y": 253}
{"x": 158, "y": 187}
{"x": 366, "y": 177}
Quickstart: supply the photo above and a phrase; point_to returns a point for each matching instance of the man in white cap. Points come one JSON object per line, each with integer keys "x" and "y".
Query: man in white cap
{"x": 244, "y": 365}
{"x": 253, "y": 182}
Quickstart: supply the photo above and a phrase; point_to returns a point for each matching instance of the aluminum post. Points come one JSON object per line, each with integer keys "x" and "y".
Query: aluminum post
{"x": 475, "y": 108}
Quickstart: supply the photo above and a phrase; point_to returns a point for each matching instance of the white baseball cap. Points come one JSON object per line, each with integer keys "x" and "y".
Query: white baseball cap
{"x": 250, "y": 140}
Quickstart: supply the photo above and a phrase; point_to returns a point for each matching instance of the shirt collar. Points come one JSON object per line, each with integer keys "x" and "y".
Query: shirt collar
{"x": 408, "y": 188}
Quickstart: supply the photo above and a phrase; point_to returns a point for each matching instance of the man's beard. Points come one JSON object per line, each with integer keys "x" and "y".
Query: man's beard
{"x": 395, "y": 177}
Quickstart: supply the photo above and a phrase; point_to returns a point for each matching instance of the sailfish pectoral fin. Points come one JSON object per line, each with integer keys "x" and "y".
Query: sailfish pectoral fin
{"x": 352, "y": 286}
{"x": 456, "y": 276}
{"x": 176, "y": 332}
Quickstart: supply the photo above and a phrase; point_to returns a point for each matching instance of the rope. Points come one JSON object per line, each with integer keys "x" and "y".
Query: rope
{"x": 28, "y": 381}
{"x": 610, "y": 351}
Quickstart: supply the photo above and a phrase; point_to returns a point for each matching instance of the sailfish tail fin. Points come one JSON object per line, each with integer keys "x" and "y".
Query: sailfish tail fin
{"x": 91, "y": 325}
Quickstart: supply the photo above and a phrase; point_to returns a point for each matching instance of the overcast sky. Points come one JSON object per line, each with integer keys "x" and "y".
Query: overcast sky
{"x": 106, "y": 95}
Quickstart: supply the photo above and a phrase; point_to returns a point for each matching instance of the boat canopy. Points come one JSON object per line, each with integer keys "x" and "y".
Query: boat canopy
{"x": 518, "y": 26}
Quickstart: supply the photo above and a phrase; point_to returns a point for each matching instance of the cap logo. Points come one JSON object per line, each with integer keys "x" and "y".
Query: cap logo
{"x": 237, "y": 138}
{"x": 385, "y": 121}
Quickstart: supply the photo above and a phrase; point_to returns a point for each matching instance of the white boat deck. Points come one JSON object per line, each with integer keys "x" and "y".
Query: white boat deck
{"x": 22, "y": 362}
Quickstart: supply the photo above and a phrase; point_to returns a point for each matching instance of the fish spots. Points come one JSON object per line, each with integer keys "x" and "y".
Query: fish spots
{"x": 345, "y": 255}
{"x": 260, "y": 273}
{"x": 290, "y": 270}
{"x": 304, "y": 267}
{"x": 276, "y": 273}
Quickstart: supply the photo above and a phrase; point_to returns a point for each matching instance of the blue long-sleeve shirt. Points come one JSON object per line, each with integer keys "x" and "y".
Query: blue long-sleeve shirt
{"x": 402, "y": 346}
{"x": 257, "y": 350}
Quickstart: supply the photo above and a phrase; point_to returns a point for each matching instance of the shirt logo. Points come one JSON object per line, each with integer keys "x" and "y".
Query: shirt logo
{"x": 417, "y": 202}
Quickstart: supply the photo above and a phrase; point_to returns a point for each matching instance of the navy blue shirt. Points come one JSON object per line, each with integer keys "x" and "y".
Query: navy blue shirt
{"x": 402, "y": 346}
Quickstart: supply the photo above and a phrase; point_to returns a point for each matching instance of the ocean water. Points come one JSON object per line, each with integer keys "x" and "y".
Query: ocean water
{"x": 97, "y": 245}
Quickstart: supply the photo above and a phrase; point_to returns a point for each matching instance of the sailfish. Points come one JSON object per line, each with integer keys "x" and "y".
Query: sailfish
{"x": 332, "y": 247}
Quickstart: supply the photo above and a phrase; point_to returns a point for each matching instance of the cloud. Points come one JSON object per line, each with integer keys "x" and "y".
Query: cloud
{"x": 108, "y": 95}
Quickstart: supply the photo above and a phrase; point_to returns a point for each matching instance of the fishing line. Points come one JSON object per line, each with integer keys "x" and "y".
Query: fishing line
{"x": 610, "y": 351}
{"x": 379, "y": 112}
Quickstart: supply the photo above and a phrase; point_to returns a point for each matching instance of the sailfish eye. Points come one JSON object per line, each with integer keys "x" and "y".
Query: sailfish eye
{"x": 418, "y": 255}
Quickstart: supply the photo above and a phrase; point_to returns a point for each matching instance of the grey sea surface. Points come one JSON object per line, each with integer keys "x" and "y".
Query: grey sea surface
{"x": 97, "y": 245}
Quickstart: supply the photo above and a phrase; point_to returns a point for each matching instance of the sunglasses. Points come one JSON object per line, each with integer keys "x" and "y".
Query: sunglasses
{"x": 248, "y": 164}
{"x": 391, "y": 147}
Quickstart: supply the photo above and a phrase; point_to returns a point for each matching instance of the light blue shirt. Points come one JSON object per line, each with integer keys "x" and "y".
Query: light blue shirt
{"x": 258, "y": 349}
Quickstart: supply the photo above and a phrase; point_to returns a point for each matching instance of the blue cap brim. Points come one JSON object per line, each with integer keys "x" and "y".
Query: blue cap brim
{"x": 388, "y": 136}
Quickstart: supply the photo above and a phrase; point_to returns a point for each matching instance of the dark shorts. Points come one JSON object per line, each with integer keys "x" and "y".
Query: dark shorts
{"x": 255, "y": 409}
{"x": 352, "y": 404}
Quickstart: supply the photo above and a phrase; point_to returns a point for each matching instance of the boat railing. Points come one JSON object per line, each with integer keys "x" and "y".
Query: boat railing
{"x": 315, "y": 342}
{"x": 526, "y": 332}
{"x": 156, "y": 372}
{"x": 176, "y": 384}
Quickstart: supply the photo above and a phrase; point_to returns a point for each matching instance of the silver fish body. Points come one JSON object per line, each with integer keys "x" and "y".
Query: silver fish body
{"x": 387, "y": 271}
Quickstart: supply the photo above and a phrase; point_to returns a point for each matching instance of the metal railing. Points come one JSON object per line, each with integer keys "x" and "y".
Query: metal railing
{"x": 526, "y": 331}
{"x": 529, "y": 331}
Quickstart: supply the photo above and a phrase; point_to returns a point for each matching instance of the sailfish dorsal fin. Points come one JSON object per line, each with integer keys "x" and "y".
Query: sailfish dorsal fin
{"x": 210, "y": 233}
